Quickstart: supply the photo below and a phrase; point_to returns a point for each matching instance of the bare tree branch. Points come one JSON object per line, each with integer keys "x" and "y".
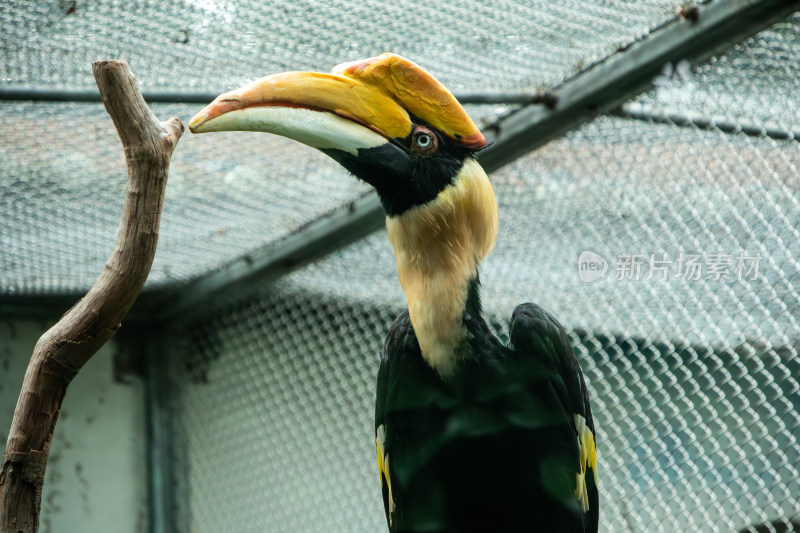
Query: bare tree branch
{"x": 68, "y": 345}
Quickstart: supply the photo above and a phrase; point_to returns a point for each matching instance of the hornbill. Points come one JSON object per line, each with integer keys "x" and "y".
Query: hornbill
{"x": 471, "y": 435}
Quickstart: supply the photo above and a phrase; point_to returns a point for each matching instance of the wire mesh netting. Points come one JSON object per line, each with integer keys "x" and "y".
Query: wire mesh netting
{"x": 697, "y": 423}
{"x": 693, "y": 438}
{"x": 687, "y": 331}
{"x": 745, "y": 86}
{"x": 228, "y": 196}
{"x": 692, "y": 369}
{"x": 218, "y": 44}
{"x": 217, "y": 192}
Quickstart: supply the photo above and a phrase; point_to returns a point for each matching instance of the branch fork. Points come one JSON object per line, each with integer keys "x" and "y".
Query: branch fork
{"x": 63, "y": 350}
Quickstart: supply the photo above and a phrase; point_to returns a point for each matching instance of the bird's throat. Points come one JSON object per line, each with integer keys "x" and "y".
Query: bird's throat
{"x": 438, "y": 247}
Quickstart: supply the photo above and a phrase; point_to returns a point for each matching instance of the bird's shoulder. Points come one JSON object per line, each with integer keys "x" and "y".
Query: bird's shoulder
{"x": 405, "y": 381}
{"x": 401, "y": 342}
{"x": 534, "y": 332}
{"x": 538, "y": 339}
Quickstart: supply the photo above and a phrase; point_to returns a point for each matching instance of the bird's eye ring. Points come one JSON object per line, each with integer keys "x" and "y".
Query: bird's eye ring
{"x": 424, "y": 141}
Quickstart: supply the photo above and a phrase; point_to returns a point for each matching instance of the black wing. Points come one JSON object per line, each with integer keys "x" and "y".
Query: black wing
{"x": 498, "y": 446}
{"x": 537, "y": 336}
{"x": 399, "y": 341}
{"x": 412, "y": 406}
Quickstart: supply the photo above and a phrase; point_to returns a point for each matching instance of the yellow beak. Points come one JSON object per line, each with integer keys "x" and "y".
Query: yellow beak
{"x": 342, "y": 96}
{"x": 379, "y": 93}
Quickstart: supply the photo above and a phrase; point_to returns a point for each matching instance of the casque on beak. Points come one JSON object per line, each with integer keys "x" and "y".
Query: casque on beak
{"x": 361, "y": 105}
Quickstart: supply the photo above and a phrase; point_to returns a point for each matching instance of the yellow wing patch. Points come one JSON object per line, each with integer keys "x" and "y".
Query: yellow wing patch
{"x": 383, "y": 466}
{"x": 588, "y": 460}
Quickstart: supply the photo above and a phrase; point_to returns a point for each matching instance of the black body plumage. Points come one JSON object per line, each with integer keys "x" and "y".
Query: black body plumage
{"x": 492, "y": 447}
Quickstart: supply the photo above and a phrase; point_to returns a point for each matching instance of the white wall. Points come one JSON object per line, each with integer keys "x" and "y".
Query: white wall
{"x": 96, "y": 478}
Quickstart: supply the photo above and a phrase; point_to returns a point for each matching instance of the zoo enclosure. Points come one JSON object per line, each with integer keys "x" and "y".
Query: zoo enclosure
{"x": 671, "y": 134}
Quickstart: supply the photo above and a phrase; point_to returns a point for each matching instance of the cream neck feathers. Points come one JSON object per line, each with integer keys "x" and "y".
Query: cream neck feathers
{"x": 438, "y": 247}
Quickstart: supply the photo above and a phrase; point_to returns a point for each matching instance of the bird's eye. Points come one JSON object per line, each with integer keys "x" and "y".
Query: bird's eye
{"x": 424, "y": 141}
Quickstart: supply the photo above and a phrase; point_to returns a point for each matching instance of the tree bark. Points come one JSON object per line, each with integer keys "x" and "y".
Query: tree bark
{"x": 66, "y": 347}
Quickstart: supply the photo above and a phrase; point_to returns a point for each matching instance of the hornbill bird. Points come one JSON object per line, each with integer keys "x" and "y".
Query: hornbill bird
{"x": 471, "y": 435}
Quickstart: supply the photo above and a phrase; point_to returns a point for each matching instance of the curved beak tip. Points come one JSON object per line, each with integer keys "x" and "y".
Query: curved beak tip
{"x": 221, "y": 105}
{"x": 197, "y": 121}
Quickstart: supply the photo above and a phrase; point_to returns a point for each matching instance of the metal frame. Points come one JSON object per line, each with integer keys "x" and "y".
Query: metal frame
{"x": 606, "y": 85}
{"x": 164, "y": 481}
{"x": 637, "y": 112}
{"x": 44, "y": 94}
{"x": 317, "y": 239}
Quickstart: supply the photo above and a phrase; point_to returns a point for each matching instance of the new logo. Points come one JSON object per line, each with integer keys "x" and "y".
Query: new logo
{"x": 591, "y": 266}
